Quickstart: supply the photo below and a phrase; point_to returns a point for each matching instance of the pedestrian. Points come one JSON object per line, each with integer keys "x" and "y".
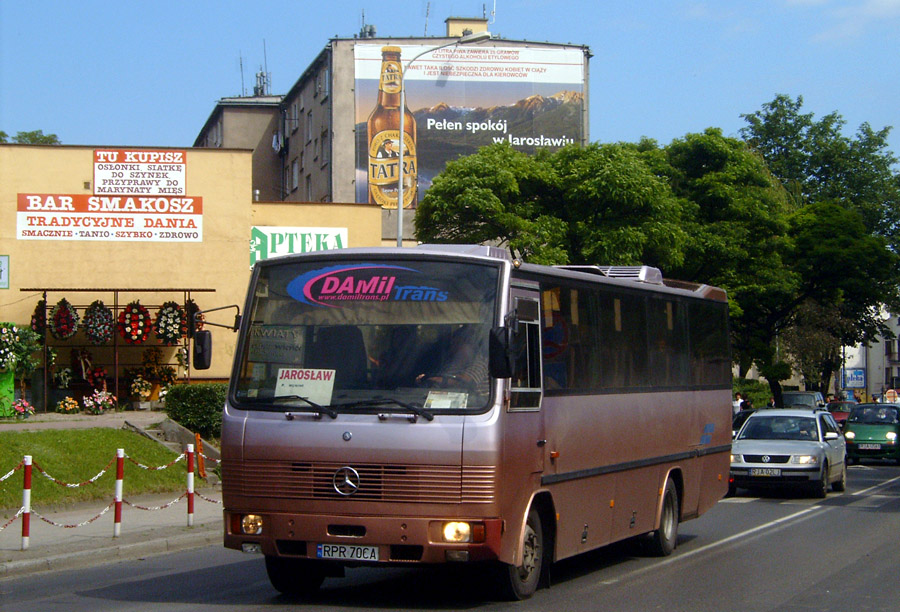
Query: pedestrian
{"x": 736, "y": 404}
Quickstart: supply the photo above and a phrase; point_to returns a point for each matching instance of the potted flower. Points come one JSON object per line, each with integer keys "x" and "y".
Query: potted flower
{"x": 99, "y": 403}
{"x": 67, "y": 405}
{"x": 141, "y": 389}
{"x": 22, "y": 409}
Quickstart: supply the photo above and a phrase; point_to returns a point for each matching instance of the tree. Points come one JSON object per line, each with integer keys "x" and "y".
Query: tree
{"x": 34, "y": 137}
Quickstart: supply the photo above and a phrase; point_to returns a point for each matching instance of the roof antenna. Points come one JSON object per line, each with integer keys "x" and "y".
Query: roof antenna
{"x": 427, "y": 11}
{"x": 241, "y": 62}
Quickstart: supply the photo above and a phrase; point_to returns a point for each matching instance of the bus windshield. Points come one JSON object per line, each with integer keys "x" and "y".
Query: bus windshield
{"x": 380, "y": 336}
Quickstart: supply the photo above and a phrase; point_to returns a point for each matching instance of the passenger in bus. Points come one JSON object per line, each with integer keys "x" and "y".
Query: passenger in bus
{"x": 466, "y": 364}
{"x": 397, "y": 364}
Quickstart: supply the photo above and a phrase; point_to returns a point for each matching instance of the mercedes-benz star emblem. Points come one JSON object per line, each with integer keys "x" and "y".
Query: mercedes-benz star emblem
{"x": 346, "y": 481}
{"x": 766, "y": 458}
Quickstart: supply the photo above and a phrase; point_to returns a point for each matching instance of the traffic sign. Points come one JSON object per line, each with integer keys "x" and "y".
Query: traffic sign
{"x": 891, "y": 395}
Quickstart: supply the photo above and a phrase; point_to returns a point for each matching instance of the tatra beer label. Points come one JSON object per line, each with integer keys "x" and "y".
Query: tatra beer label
{"x": 384, "y": 170}
{"x": 390, "y": 77}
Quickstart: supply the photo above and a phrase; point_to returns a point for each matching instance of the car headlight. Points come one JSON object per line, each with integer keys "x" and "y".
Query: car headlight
{"x": 737, "y": 458}
{"x": 849, "y": 435}
{"x": 891, "y": 435}
{"x": 805, "y": 459}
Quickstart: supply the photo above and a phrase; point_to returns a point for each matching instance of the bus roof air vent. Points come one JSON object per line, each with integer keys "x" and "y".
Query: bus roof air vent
{"x": 468, "y": 249}
{"x": 643, "y": 274}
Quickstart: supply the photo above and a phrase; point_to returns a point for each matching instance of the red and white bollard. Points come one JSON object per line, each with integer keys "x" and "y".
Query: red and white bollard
{"x": 190, "y": 484}
{"x": 26, "y": 503}
{"x": 120, "y": 475}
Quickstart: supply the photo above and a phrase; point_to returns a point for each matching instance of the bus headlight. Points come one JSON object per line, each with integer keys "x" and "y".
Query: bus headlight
{"x": 460, "y": 532}
{"x": 251, "y": 524}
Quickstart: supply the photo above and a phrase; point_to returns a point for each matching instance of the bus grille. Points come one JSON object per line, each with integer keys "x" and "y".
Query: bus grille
{"x": 378, "y": 483}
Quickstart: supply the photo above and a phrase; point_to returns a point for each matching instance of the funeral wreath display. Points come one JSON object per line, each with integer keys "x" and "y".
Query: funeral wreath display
{"x": 98, "y": 323}
{"x": 135, "y": 323}
{"x": 171, "y": 323}
{"x": 63, "y": 320}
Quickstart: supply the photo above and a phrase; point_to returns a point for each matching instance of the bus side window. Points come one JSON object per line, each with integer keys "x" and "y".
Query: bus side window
{"x": 526, "y": 378}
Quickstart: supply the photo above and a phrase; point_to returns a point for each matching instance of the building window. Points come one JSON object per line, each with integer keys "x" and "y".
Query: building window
{"x": 295, "y": 174}
{"x": 295, "y": 116}
{"x": 308, "y": 126}
{"x": 309, "y": 188}
{"x": 325, "y": 148}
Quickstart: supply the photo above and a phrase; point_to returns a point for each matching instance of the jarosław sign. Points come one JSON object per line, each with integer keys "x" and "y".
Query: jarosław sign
{"x": 139, "y": 196}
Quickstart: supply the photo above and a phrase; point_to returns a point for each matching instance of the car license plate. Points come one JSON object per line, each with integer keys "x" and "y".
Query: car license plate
{"x": 869, "y": 446}
{"x": 347, "y": 552}
{"x": 765, "y": 471}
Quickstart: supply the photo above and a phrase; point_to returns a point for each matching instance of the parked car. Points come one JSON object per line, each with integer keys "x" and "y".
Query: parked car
{"x": 840, "y": 410}
{"x": 789, "y": 448}
{"x": 808, "y": 399}
{"x": 872, "y": 432}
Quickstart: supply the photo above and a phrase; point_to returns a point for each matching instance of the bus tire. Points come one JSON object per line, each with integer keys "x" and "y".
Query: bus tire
{"x": 294, "y": 577}
{"x": 517, "y": 583}
{"x": 664, "y": 539}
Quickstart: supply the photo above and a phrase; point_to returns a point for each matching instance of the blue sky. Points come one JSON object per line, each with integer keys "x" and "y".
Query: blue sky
{"x": 149, "y": 74}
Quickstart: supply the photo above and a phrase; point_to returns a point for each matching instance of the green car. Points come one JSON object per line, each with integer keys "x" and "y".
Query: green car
{"x": 872, "y": 431}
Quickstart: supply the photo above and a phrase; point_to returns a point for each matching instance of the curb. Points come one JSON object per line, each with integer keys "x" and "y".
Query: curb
{"x": 150, "y": 544}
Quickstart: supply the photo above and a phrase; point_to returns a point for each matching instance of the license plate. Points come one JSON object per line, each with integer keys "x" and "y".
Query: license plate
{"x": 869, "y": 446}
{"x": 347, "y": 552}
{"x": 765, "y": 471}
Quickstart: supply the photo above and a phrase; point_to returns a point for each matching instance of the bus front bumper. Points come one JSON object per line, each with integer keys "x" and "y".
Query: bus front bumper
{"x": 363, "y": 540}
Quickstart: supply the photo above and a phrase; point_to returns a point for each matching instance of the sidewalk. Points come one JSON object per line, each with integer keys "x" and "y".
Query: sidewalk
{"x": 161, "y": 528}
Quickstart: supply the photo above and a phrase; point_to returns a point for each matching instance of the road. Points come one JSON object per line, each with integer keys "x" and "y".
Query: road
{"x": 769, "y": 553}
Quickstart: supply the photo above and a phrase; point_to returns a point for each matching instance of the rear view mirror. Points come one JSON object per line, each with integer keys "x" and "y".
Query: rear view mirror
{"x": 202, "y": 354}
{"x": 500, "y": 362}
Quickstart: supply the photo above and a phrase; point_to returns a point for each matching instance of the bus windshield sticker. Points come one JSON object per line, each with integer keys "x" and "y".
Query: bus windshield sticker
{"x": 313, "y": 385}
{"x": 446, "y": 399}
{"x": 335, "y": 286}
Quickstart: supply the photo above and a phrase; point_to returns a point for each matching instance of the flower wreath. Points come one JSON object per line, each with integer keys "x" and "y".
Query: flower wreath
{"x": 98, "y": 323}
{"x": 97, "y": 378}
{"x": 39, "y": 318}
{"x": 194, "y": 324}
{"x": 63, "y": 320}
{"x": 171, "y": 323}
{"x": 135, "y": 323}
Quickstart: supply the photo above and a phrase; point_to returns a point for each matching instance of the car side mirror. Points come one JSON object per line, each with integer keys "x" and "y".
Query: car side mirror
{"x": 831, "y": 435}
{"x": 202, "y": 353}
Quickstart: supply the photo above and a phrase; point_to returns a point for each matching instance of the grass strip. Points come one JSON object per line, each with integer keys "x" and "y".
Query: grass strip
{"x": 76, "y": 456}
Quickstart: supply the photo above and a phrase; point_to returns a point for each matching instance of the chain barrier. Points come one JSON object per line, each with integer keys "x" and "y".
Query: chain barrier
{"x": 82, "y": 524}
{"x": 12, "y": 471}
{"x": 26, "y": 511}
{"x": 159, "y": 467}
{"x": 73, "y": 485}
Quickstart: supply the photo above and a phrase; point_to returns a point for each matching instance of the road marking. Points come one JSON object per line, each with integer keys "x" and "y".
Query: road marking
{"x": 878, "y": 486}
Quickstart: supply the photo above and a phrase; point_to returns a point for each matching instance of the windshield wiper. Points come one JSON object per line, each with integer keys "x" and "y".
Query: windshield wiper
{"x": 326, "y": 409}
{"x": 381, "y": 401}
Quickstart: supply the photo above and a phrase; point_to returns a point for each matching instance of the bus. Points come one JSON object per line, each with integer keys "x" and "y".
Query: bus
{"x": 590, "y": 405}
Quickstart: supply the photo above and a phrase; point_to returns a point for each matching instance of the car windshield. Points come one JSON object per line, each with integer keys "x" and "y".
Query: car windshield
{"x": 779, "y": 428}
{"x": 333, "y": 335}
{"x": 873, "y": 414}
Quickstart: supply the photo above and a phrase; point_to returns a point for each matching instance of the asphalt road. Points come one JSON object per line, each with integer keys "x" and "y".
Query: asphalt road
{"x": 770, "y": 553}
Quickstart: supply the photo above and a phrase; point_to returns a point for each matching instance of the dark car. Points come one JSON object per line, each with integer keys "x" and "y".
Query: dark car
{"x": 802, "y": 399}
{"x": 872, "y": 432}
{"x": 738, "y": 420}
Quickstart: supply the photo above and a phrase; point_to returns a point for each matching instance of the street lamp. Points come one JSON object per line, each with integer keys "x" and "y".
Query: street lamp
{"x": 463, "y": 40}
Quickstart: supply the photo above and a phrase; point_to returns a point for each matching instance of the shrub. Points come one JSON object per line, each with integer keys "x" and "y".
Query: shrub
{"x": 758, "y": 392}
{"x": 198, "y": 407}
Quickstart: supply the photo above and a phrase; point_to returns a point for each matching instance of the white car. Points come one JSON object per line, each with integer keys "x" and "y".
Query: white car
{"x": 798, "y": 448}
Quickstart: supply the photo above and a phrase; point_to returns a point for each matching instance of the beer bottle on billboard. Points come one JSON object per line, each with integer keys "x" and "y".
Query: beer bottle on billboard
{"x": 385, "y": 140}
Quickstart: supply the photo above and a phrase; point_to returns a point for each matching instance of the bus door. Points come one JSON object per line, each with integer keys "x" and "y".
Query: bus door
{"x": 524, "y": 437}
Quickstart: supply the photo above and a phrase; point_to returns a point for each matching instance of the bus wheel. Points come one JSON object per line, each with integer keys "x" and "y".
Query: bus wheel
{"x": 663, "y": 540}
{"x": 521, "y": 582}
{"x": 294, "y": 577}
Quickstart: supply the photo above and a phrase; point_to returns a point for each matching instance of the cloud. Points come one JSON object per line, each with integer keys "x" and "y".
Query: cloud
{"x": 853, "y": 19}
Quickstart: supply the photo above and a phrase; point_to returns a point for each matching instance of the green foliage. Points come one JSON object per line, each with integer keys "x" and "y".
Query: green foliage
{"x": 77, "y": 455}
{"x": 33, "y": 137}
{"x": 198, "y": 407}
{"x": 757, "y": 392}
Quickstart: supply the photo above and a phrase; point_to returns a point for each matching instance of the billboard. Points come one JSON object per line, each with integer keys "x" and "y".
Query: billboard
{"x": 459, "y": 98}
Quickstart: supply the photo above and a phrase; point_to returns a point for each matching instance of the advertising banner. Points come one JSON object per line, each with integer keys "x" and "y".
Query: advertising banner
{"x": 266, "y": 242}
{"x": 458, "y": 99}
{"x": 109, "y": 218}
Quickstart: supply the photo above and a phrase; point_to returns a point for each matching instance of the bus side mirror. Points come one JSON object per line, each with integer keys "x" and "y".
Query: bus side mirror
{"x": 500, "y": 362}
{"x": 202, "y": 356}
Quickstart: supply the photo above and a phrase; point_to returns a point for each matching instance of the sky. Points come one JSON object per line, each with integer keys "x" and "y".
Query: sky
{"x": 149, "y": 74}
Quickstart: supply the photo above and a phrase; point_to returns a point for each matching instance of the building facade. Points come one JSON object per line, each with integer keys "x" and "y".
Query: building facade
{"x": 316, "y": 146}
